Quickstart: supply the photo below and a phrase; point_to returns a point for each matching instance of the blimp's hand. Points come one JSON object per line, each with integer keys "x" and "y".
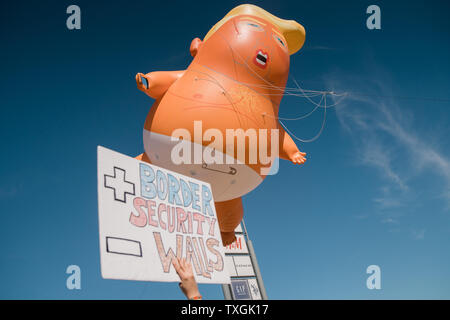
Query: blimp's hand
{"x": 298, "y": 157}
{"x": 140, "y": 84}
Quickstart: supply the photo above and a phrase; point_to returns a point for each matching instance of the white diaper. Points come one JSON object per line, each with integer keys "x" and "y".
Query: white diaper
{"x": 228, "y": 181}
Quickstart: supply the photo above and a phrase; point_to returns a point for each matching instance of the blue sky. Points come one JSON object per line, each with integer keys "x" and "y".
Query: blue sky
{"x": 375, "y": 188}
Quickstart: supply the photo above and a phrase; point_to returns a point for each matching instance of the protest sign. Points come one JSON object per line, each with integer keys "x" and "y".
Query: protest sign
{"x": 148, "y": 216}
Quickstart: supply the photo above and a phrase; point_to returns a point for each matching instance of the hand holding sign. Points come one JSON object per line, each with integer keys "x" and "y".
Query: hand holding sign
{"x": 188, "y": 284}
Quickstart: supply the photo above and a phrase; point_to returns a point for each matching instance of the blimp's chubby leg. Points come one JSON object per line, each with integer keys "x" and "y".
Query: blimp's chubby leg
{"x": 229, "y": 214}
{"x": 143, "y": 157}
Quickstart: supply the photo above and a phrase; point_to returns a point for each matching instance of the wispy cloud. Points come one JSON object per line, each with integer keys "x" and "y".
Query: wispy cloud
{"x": 388, "y": 202}
{"x": 418, "y": 234}
{"x": 374, "y": 154}
{"x": 389, "y": 221}
{"x": 386, "y": 139}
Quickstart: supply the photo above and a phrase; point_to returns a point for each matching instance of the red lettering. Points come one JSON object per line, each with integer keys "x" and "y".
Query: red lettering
{"x": 141, "y": 219}
{"x": 151, "y": 212}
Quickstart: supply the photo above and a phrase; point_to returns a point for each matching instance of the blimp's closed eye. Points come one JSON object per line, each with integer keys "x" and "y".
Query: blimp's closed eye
{"x": 254, "y": 26}
{"x": 279, "y": 40}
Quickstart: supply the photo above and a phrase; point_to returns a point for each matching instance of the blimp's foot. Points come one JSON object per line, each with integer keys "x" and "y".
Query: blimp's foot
{"x": 229, "y": 214}
{"x": 228, "y": 237}
{"x": 143, "y": 157}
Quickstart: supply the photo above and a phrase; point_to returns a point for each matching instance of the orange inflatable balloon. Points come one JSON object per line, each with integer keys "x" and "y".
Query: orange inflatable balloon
{"x": 217, "y": 120}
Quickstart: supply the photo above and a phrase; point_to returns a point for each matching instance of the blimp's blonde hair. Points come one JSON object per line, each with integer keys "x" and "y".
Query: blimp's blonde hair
{"x": 293, "y": 32}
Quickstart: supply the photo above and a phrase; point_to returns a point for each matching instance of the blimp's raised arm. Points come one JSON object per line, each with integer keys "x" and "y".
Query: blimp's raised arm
{"x": 158, "y": 82}
{"x": 289, "y": 150}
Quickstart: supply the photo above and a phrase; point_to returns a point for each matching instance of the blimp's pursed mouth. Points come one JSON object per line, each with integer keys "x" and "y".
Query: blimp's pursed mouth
{"x": 261, "y": 59}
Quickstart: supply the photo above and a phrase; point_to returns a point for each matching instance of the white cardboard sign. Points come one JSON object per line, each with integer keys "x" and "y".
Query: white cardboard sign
{"x": 148, "y": 216}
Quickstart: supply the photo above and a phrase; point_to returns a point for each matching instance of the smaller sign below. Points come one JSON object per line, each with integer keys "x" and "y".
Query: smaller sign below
{"x": 238, "y": 246}
{"x": 229, "y": 262}
{"x": 243, "y": 265}
{"x": 254, "y": 289}
{"x": 240, "y": 289}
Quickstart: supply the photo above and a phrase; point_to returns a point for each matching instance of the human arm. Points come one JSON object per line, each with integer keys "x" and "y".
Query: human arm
{"x": 188, "y": 285}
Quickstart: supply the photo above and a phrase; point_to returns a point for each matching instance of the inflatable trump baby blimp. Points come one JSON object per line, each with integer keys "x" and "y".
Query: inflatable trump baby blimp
{"x": 217, "y": 120}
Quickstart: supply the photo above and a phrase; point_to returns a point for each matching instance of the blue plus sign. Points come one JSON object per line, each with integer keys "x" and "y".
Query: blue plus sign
{"x": 120, "y": 186}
